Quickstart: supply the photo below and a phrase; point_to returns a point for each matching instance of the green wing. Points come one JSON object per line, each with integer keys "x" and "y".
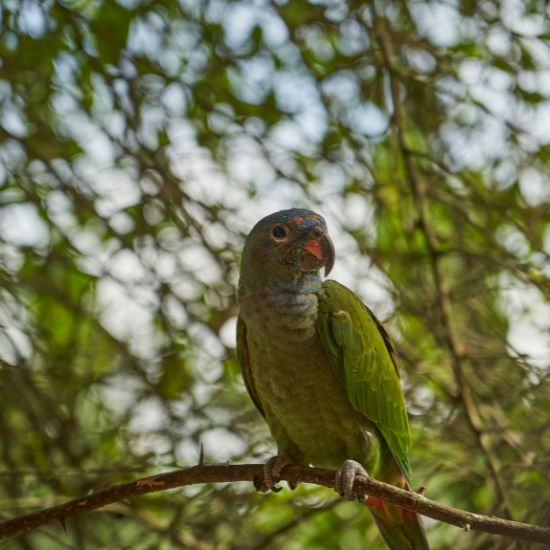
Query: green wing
{"x": 244, "y": 360}
{"x": 361, "y": 354}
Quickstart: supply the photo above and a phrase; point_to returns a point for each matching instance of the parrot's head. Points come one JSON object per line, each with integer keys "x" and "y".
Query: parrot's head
{"x": 284, "y": 246}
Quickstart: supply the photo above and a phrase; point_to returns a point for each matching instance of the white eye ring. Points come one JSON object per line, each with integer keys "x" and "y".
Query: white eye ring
{"x": 279, "y": 233}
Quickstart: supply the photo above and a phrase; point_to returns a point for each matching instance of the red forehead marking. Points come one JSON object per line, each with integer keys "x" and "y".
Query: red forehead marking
{"x": 298, "y": 220}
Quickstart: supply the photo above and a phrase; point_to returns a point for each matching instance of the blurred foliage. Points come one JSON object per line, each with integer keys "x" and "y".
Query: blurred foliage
{"x": 140, "y": 140}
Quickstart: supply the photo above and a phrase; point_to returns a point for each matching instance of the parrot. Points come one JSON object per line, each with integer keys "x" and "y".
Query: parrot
{"x": 321, "y": 369}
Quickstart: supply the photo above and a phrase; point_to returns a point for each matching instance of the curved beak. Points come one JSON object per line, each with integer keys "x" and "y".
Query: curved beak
{"x": 317, "y": 252}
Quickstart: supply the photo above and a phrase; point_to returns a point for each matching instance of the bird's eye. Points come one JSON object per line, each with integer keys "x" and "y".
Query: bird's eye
{"x": 279, "y": 232}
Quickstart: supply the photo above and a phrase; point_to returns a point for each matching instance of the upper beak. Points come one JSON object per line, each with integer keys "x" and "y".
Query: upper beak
{"x": 319, "y": 253}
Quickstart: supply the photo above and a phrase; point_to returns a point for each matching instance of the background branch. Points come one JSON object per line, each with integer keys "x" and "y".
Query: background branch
{"x": 452, "y": 337}
{"x": 248, "y": 472}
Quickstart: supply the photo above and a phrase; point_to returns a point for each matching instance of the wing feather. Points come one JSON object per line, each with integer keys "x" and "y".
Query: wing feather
{"x": 362, "y": 356}
{"x": 244, "y": 359}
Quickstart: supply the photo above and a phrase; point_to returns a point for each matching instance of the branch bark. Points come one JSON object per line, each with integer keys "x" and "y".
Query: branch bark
{"x": 248, "y": 472}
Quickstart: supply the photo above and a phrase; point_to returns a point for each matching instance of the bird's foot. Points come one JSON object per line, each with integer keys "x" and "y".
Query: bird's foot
{"x": 345, "y": 479}
{"x": 272, "y": 475}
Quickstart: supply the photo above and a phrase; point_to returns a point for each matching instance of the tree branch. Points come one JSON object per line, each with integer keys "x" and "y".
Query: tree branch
{"x": 450, "y": 333}
{"x": 248, "y": 472}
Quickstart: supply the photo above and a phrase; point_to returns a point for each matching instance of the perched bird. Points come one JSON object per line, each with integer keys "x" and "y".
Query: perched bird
{"x": 321, "y": 369}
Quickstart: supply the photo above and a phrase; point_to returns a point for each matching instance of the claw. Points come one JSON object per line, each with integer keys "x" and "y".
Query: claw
{"x": 292, "y": 485}
{"x": 271, "y": 475}
{"x": 345, "y": 478}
